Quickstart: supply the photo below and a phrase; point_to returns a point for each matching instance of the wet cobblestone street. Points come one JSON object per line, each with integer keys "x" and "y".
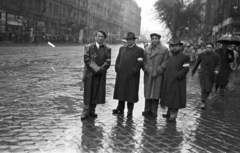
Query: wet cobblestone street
{"x": 41, "y": 104}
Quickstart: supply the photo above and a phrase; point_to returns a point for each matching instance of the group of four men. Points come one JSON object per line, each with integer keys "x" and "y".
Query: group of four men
{"x": 164, "y": 75}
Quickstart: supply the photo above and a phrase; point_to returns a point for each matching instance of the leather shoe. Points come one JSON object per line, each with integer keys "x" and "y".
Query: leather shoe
{"x": 203, "y": 105}
{"x": 146, "y": 113}
{"x": 93, "y": 115}
{"x": 83, "y": 117}
{"x": 117, "y": 111}
{"x": 165, "y": 115}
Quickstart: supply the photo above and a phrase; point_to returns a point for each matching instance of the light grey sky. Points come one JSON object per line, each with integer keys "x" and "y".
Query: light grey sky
{"x": 149, "y": 22}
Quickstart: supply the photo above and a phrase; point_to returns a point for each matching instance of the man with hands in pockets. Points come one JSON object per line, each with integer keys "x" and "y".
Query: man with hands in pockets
{"x": 128, "y": 64}
{"x": 156, "y": 59}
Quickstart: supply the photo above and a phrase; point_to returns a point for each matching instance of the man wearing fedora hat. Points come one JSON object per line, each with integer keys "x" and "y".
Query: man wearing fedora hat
{"x": 155, "y": 63}
{"x": 128, "y": 64}
{"x": 174, "y": 83}
{"x": 97, "y": 59}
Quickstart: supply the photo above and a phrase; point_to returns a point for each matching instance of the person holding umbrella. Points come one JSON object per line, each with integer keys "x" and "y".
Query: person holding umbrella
{"x": 226, "y": 57}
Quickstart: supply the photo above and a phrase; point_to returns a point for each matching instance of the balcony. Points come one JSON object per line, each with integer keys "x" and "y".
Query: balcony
{"x": 234, "y": 10}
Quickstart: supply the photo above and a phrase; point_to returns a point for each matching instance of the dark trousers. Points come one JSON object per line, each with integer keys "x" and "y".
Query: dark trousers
{"x": 89, "y": 109}
{"x": 173, "y": 112}
{"x": 204, "y": 96}
{"x": 121, "y": 105}
{"x": 151, "y": 105}
{"x": 222, "y": 88}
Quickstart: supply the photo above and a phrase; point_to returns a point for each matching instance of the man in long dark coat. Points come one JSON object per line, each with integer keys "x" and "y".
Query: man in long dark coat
{"x": 155, "y": 62}
{"x": 210, "y": 65}
{"x": 226, "y": 57}
{"x": 174, "y": 83}
{"x": 128, "y": 64}
{"x": 97, "y": 59}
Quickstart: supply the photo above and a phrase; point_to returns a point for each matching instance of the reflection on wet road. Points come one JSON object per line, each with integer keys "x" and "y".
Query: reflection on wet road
{"x": 41, "y": 104}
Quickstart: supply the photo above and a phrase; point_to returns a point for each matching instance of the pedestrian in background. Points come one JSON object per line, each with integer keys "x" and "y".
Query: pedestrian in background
{"x": 226, "y": 56}
{"x": 174, "y": 83}
{"x": 97, "y": 59}
{"x": 192, "y": 56}
{"x": 235, "y": 52}
{"x": 155, "y": 63}
{"x": 128, "y": 64}
{"x": 210, "y": 66}
{"x": 200, "y": 50}
{"x": 187, "y": 49}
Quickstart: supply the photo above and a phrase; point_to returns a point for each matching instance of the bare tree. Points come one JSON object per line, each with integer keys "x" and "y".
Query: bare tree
{"x": 179, "y": 15}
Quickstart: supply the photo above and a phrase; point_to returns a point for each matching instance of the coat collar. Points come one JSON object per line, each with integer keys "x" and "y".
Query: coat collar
{"x": 131, "y": 46}
{"x": 98, "y": 45}
{"x": 157, "y": 49}
{"x": 208, "y": 57}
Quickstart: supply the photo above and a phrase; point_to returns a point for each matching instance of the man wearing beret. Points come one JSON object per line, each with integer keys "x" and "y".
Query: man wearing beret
{"x": 174, "y": 83}
{"x": 128, "y": 64}
{"x": 155, "y": 63}
{"x": 97, "y": 59}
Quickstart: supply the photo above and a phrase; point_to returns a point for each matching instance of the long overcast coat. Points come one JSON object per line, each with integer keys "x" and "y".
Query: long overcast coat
{"x": 210, "y": 62}
{"x": 225, "y": 68}
{"x": 128, "y": 73}
{"x": 97, "y": 61}
{"x": 155, "y": 63}
{"x": 174, "y": 83}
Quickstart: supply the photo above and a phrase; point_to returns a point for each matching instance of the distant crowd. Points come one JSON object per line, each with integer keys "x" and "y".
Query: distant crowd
{"x": 193, "y": 50}
{"x": 25, "y": 37}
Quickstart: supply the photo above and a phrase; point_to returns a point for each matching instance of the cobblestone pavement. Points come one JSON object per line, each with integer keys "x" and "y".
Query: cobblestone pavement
{"x": 40, "y": 107}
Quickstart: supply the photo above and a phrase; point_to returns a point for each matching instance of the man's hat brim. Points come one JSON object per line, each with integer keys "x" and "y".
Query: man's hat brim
{"x": 179, "y": 43}
{"x": 130, "y": 38}
{"x": 155, "y": 34}
{"x": 175, "y": 42}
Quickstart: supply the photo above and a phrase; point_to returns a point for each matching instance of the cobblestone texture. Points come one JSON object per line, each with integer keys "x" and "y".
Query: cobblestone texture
{"x": 41, "y": 104}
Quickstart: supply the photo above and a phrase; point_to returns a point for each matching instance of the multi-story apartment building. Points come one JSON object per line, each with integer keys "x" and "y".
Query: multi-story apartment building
{"x": 46, "y": 16}
{"x": 63, "y": 17}
{"x": 105, "y": 14}
{"x": 223, "y": 17}
{"x": 79, "y": 18}
{"x": 131, "y": 17}
{"x": 16, "y": 15}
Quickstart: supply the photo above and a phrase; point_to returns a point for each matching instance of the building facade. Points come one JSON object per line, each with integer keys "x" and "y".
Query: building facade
{"x": 77, "y": 18}
{"x": 105, "y": 14}
{"x": 223, "y": 18}
{"x": 131, "y": 17}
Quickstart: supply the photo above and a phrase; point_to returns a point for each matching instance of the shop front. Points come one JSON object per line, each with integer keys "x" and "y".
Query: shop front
{"x": 14, "y": 23}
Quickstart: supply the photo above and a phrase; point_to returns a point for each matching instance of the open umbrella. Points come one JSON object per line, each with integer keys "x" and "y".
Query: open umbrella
{"x": 231, "y": 39}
